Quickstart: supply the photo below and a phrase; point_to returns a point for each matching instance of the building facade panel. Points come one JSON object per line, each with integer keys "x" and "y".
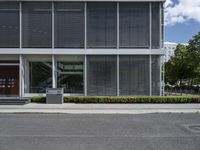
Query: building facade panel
{"x": 36, "y": 24}
{"x": 9, "y": 25}
{"x": 101, "y": 25}
{"x": 101, "y": 75}
{"x": 134, "y": 75}
{"x": 69, "y": 25}
{"x": 134, "y": 25}
{"x": 87, "y": 48}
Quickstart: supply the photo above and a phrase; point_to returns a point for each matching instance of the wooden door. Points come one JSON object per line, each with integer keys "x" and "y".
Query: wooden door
{"x": 9, "y": 80}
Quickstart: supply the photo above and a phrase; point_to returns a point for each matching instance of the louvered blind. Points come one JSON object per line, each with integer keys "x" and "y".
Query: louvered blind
{"x": 101, "y": 75}
{"x": 101, "y": 25}
{"x": 134, "y": 25}
{"x": 134, "y": 75}
{"x": 9, "y": 24}
{"x": 155, "y": 25}
{"x": 37, "y": 24}
{"x": 69, "y": 25}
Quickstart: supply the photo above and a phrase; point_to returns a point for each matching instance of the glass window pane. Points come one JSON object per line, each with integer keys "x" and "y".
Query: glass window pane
{"x": 101, "y": 25}
{"x": 37, "y": 24}
{"x": 40, "y": 76}
{"x": 9, "y": 24}
{"x": 101, "y": 75}
{"x": 155, "y": 65}
{"x": 134, "y": 25}
{"x": 155, "y": 25}
{"x": 69, "y": 25}
{"x": 70, "y": 75}
{"x": 134, "y": 75}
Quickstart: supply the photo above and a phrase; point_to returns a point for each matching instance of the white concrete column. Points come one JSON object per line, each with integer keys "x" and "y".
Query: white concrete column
{"x": 54, "y": 75}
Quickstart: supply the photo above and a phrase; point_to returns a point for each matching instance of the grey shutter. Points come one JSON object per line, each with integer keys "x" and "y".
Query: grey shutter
{"x": 155, "y": 25}
{"x": 134, "y": 25}
{"x": 69, "y": 25}
{"x": 155, "y": 65}
{"x": 101, "y": 75}
{"x": 134, "y": 75}
{"x": 101, "y": 25}
{"x": 37, "y": 24}
{"x": 9, "y": 24}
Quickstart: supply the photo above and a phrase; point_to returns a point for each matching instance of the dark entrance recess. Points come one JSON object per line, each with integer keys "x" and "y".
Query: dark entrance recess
{"x": 9, "y": 80}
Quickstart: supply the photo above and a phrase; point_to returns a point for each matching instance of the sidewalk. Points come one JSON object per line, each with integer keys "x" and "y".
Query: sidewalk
{"x": 101, "y": 108}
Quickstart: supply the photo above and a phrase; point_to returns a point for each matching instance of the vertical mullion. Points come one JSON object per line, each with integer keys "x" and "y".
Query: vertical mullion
{"x": 85, "y": 75}
{"x": 150, "y": 26}
{"x": 160, "y": 28}
{"x": 150, "y": 47}
{"x": 150, "y": 76}
{"x": 53, "y": 45}
{"x": 53, "y": 72}
{"x": 20, "y": 24}
{"x": 118, "y": 92}
{"x": 117, "y": 25}
{"x": 85, "y": 46}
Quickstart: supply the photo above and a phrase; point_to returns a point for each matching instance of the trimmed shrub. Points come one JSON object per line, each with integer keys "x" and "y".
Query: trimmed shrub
{"x": 38, "y": 99}
{"x": 124, "y": 99}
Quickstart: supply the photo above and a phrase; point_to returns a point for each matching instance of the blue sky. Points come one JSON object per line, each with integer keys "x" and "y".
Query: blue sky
{"x": 182, "y": 20}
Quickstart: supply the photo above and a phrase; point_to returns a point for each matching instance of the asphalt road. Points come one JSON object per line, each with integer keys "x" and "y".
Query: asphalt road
{"x": 99, "y": 132}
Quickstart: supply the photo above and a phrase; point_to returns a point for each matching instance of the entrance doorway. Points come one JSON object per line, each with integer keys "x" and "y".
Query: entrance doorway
{"x": 9, "y": 80}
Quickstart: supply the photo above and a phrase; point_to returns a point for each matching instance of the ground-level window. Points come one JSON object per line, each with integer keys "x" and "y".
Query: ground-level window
{"x": 101, "y": 75}
{"x": 134, "y": 75}
{"x": 38, "y": 75}
{"x": 70, "y": 74}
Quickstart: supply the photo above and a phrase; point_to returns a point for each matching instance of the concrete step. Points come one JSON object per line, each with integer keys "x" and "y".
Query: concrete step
{"x": 14, "y": 101}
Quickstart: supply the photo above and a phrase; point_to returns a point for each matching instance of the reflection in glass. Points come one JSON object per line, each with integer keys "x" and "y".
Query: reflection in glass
{"x": 101, "y": 25}
{"x": 69, "y": 25}
{"x": 36, "y": 25}
{"x": 9, "y": 24}
{"x": 40, "y": 76}
{"x": 70, "y": 76}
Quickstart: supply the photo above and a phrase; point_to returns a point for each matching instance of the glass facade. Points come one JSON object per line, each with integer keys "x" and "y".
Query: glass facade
{"x": 101, "y": 75}
{"x": 36, "y": 25}
{"x": 9, "y": 24}
{"x": 40, "y": 76}
{"x": 134, "y": 25}
{"x": 70, "y": 74}
{"x": 69, "y": 25}
{"x": 134, "y": 75}
{"x": 155, "y": 25}
{"x": 101, "y": 25}
{"x": 80, "y": 28}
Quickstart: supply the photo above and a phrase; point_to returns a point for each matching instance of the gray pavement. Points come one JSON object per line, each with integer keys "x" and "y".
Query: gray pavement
{"x": 99, "y": 132}
{"x": 101, "y": 108}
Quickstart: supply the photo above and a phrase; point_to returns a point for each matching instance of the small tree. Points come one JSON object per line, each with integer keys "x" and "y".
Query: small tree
{"x": 177, "y": 69}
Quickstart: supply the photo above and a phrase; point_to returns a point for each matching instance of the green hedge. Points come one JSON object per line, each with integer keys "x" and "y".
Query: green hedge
{"x": 124, "y": 99}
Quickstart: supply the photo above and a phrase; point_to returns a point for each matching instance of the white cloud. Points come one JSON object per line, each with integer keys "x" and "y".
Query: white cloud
{"x": 181, "y": 12}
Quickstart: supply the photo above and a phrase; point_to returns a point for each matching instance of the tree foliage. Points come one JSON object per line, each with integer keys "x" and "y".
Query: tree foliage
{"x": 184, "y": 67}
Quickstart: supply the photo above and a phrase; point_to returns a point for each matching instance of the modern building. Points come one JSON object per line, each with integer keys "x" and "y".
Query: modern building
{"x": 87, "y": 47}
{"x": 169, "y": 50}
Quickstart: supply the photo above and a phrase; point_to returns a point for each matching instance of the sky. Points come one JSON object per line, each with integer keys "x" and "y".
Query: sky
{"x": 182, "y": 20}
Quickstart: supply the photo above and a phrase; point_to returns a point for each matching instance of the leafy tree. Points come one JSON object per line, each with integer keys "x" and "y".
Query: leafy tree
{"x": 177, "y": 69}
{"x": 194, "y": 58}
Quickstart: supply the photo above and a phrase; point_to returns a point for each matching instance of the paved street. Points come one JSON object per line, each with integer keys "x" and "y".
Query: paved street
{"x": 99, "y": 132}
